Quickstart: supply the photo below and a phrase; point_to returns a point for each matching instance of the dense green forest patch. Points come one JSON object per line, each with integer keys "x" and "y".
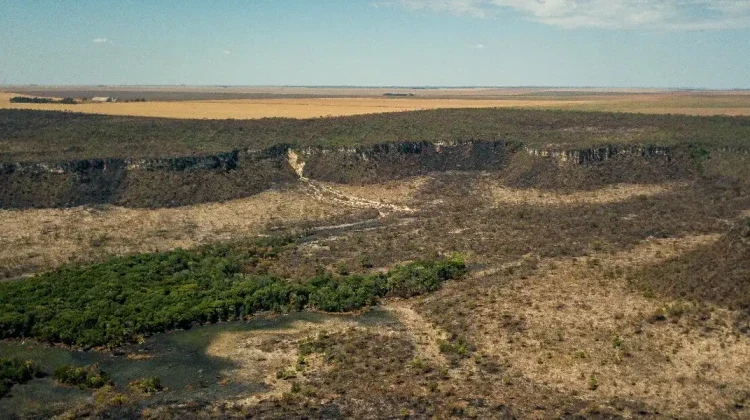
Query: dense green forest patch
{"x": 51, "y": 135}
{"x": 120, "y": 300}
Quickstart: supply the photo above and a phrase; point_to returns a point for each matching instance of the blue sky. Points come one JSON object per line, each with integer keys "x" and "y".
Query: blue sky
{"x": 627, "y": 43}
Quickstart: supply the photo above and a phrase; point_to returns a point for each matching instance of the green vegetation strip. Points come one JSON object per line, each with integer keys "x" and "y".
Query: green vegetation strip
{"x": 120, "y": 300}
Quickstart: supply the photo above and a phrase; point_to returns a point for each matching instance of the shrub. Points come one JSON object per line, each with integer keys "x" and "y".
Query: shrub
{"x": 286, "y": 374}
{"x": 423, "y": 276}
{"x": 85, "y": 377}
{"x": 616, "y": 341}
{"x": 454, "y": 349}
{"x": 420, "y": 365}
{"x": 148, "y": 385}
{"x": 14, "y": 372}
{"x": 593, "y": 383}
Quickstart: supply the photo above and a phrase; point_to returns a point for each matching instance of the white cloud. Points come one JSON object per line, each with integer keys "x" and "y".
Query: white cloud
{"x": 226, "y": 52}
{"x": 477, "y": 46}
{"x": 102, "y": 41}
{"x": 614, "y": 14}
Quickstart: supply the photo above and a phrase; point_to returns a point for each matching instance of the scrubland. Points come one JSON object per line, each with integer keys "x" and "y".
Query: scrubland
{"x": 544, "y": 288}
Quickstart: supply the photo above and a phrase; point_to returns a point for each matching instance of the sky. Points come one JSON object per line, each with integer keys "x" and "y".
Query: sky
{"x": 608, "y": 43}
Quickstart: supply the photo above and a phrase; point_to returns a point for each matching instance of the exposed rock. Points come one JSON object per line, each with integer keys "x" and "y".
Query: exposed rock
{"x": 174, "y": 181}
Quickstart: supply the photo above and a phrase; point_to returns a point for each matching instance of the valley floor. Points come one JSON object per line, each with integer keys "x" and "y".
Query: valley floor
{"x": 577, "y": 303}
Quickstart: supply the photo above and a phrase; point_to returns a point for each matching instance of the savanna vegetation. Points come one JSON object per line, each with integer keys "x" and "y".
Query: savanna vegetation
{"x": 717, "y": 274}
{"x": 53, "y": 136}
{"x": 609, "y": 289}
{"x": 117, "y": 301}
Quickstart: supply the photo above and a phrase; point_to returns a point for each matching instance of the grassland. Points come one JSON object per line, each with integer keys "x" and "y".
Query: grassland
{"x": 38, "y": 240}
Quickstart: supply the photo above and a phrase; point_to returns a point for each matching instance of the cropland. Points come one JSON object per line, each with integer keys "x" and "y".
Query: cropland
{"x": 576, "y": 260}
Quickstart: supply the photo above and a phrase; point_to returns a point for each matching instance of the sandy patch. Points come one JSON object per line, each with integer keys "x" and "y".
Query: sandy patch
{"x": 260, "y": 354}
{"x": 326, "y": 193}
{"x": 400, "y": 192}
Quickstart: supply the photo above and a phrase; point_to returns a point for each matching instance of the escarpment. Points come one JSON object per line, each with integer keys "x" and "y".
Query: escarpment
{"x": 176, "y": 181}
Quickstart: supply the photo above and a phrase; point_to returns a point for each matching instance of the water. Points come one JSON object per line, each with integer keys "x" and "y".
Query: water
{"x": 178, "y": 358}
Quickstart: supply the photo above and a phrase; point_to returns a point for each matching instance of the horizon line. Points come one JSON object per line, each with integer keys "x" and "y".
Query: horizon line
{"x": 665, "y": 88}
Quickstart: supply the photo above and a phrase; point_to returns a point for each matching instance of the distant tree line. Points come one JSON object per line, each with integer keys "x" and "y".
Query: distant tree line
{"x": 36, "y": 100}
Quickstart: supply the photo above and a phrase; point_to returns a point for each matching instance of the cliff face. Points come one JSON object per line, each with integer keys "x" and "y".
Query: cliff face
{"x": 601, "y": 154}
{"x": 398, "y": 160}
{"x": 240, "y": 173}
{"x": 144, "y": 182}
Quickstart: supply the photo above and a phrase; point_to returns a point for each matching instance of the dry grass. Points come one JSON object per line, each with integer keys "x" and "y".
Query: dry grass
{"x": 36, "y": 239}
{"x": 577, "y": 318}
{"x": 421, "y": 332}
{"x": 658, "y": 103}
{"x": 39, "y": 239}
{"x": 502, "y": 195}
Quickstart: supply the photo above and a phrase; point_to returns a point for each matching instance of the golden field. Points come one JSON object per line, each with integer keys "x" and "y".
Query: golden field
{"x": 269, "y": 108}
{"x": 688, "y": 103}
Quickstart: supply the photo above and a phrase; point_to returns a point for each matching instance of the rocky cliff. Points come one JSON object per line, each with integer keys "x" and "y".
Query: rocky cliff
{"x": 240, "y": 173}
